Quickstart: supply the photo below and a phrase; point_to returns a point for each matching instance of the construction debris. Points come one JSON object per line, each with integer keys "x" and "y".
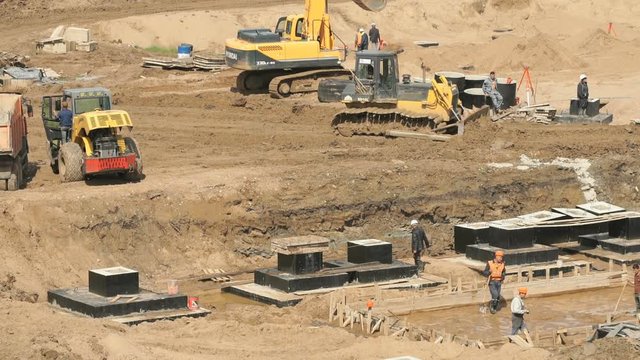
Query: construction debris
{"x": 213, "y": 63}
{"x": 623, "y": 329}
{"x": 8, "y": 59}
{"x": 63, "y": 40}
{"x": 424, "y": 43}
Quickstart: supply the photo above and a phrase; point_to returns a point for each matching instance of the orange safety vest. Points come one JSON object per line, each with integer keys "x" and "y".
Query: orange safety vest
{"x": 358, "y": 39}
{"x": 496, "y": 270}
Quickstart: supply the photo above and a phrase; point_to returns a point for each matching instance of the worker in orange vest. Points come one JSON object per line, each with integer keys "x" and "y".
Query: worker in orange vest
{"x": 370, "y": 304}
{"x": 495, "y": 271}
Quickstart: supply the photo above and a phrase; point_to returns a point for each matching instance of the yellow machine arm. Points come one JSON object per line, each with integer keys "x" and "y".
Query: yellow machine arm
{"x": 318, "y": 26}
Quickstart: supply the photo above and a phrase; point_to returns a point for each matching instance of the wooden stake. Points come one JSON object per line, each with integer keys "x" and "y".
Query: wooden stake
{"x": 547, "y": 274}
{"x": 387, "y": 324}
{"x": 610, "y": 265}
{"x": 530, "y": 275}
{"x": 560, "y": 274}
{"x": 376, "y": 327}
{"x": 331, "y": 300}
{"x": 459, "y": 285}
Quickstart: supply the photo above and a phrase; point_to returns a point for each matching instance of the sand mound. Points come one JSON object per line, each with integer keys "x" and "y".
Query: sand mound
{"x": 599, "y": 39}
{"x": 542, "y": 53}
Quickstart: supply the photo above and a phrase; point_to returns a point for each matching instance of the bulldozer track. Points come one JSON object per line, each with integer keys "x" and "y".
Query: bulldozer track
{"x": 302, "y": 82}
{"x": 376, "y": 122}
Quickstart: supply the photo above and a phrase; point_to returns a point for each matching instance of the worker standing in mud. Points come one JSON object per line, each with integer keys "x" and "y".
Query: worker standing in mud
{"x": 419, "y": 243}
{"x": 517, "y": 312}
{"x": 490, "y": 88}
{"x": 583, "y": 95}
{"x": 495, "y": 271}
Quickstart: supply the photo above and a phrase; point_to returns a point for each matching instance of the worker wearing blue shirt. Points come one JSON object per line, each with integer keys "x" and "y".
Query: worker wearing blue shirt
{"x": 65, "y": 116}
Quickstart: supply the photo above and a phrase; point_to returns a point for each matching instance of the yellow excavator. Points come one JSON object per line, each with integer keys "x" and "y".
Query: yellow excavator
{"x": 293, "y": 58}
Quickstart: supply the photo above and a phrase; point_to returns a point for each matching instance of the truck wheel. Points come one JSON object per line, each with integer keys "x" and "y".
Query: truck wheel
{"x": 15, "y": 181}
{"x": 132, "y": 146}
{"x": 70, "y": 162}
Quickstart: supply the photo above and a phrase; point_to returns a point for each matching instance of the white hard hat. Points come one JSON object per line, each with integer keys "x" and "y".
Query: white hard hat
{"x": 373, "y": 24}
{"x": 582, "y": 77}
{"x": 414, "y": 222}
{"x": 361, "y": 30}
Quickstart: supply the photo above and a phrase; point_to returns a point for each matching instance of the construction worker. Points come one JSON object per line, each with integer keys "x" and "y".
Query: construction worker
{"x": 65, "y": 117}
{"x": 490, "y": 88}
{"x": 495, "y": 271}
{"x": 517, "y": 312}
{"x": 636, "y": 287}
{"x": 370, "y": 305}
{"x": 374, "y": 36}
{"x": 583, "y": 95}
{"x": 362, "y": 40}
{"x": 419, "y": 243}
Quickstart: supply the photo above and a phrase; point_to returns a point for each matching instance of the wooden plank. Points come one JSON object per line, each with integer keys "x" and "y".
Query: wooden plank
{"x": 160, "y": 315}
{"x": 519, "y": 341}
{"x": 415, "y": 135}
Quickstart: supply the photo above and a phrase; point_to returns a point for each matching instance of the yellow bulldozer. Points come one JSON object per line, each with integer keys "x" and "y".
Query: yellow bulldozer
{"x": 377, "y": 102}
{"x": 293, "y": 58}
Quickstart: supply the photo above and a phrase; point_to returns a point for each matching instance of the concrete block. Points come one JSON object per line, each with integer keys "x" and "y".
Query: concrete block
{"x": 87, "y": 46}
{"x": 113, "y": 281}
{"x": 78, "y": 35}
{"x": 300, "y": 263}
{"x": 531, "y": 255}
{"x": 469, "y": 234}
{"x": 55, "y": 48}
{"x": 369, "y": 250}
{"x": 628, "y": 228}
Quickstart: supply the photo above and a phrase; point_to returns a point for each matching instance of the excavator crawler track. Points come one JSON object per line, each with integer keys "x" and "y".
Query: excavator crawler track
{"x": 303, "y": 82}
{"x": 377, "y": 122}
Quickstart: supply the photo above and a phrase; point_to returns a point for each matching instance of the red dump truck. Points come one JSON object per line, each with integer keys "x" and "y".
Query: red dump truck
{"x": 14, "y": 148}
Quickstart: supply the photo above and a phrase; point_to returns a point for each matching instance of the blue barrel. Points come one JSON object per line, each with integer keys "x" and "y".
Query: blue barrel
{"x": 185, "y": 50}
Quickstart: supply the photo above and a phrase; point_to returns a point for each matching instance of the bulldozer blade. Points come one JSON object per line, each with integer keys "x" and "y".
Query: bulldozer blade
{"x": 371, "y": 5}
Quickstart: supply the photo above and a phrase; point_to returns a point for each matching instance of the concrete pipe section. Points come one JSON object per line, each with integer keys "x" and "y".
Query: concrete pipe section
{"x": 474, "y": 97}
{"x": 508, "y": 91}
{"x": 454, "y": 78}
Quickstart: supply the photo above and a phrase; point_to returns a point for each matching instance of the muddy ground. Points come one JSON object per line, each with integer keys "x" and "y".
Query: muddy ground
{"x": 227, "y": 173}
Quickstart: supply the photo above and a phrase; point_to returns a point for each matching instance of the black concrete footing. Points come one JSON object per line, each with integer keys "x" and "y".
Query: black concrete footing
{"x": 374, "y": 273}
{"x": 621, "y": 246}
{"x": 592, "y": 240}
{"x": 369, "y": 250}
{"x": 508, "y": 236}
{"x": 83, "y": 301}
{"x": 300, "y": 263}
{"x": 628, "y": 228}
{"x": 289, "y": 282}
{"x": 531, "y": 255}
{"x": 469, "y": 234}
{"x": 113, "y": 281}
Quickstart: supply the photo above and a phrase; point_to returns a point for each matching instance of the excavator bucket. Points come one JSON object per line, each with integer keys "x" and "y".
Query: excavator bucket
{"x": 371, "y": 5}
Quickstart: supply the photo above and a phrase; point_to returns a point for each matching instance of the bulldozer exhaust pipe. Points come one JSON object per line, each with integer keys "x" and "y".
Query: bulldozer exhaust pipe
{"x": 371, "y": 5}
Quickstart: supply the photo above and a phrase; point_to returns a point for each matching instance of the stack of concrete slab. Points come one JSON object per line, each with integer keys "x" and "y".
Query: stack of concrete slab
{"x": 64, "y": 39}
{"x": 534, "y": 238}
{"x": 213, "y": 63}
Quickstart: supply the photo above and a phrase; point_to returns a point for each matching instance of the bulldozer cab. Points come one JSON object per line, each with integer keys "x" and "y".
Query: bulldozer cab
{"x": 378, "y": 71}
